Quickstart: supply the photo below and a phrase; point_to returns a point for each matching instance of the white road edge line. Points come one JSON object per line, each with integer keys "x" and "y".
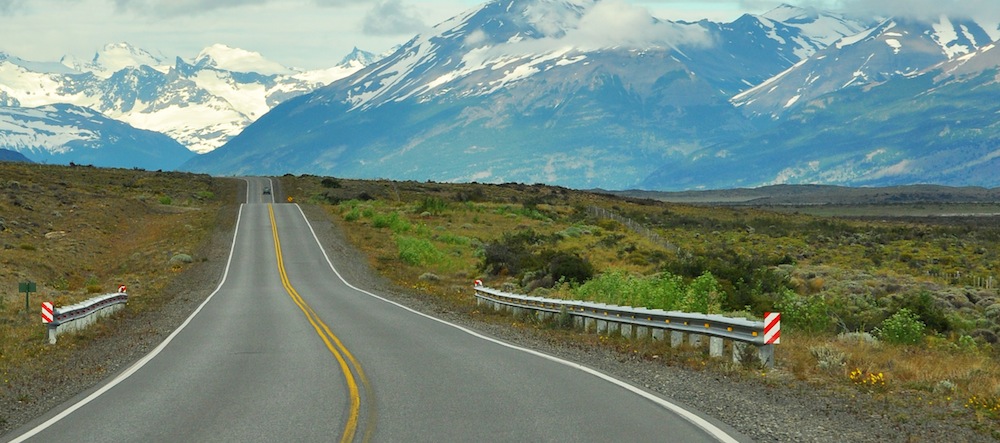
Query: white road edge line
{"x": 141, "y": 362}
{"x": 694, "y": 419}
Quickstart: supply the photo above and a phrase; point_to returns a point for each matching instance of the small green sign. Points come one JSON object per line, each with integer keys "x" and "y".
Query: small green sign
{"x": 27, "y": 286}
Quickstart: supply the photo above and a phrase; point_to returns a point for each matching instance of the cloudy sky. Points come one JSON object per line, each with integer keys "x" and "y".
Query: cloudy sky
{"x": 307, "y": 33}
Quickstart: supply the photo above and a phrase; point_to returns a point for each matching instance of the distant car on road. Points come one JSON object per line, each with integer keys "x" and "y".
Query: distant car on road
{"x": 267, "y": 190}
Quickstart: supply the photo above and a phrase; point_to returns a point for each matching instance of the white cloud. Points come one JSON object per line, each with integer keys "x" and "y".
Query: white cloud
{"x": 392, "y": 17}
{"x": 609, "y": 23}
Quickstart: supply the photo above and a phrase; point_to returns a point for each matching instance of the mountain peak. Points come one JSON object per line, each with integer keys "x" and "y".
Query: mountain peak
{"x": 358, "y": 58}
{"x": 227, "y": 58}
{"x": 114, "y": 57}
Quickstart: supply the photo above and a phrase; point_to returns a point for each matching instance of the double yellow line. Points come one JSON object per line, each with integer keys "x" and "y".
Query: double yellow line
{"x": 339, "y": 351}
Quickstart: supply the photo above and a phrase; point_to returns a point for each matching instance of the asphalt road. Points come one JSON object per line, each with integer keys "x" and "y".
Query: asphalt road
{"x": 285, "y": 350}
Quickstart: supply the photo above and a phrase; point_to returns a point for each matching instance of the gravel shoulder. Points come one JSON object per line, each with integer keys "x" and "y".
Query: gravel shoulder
{"x": 775, "y": 407}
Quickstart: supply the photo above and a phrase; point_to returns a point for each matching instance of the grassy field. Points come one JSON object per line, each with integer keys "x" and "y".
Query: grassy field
{"x": 78, "y": 232}
{"x": 904, "y": 310}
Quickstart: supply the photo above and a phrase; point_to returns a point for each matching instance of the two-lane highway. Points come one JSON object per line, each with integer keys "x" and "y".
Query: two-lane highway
{"x": 285, "y": 350}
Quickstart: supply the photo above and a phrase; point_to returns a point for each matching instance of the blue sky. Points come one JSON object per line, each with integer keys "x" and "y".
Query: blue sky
{"x": 299, "y": 33}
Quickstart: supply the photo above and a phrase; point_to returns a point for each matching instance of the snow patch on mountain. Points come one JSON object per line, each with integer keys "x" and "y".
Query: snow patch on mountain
{"x": 36, "y": 130}
{"x": 820, "y": 26}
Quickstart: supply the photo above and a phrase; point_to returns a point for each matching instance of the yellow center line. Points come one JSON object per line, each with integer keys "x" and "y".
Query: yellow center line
{"x": 334, "y": 344}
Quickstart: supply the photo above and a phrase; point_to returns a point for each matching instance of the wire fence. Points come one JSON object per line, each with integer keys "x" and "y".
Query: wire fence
{"x": 957, "y": 277}
{"x": 636, "y": 227}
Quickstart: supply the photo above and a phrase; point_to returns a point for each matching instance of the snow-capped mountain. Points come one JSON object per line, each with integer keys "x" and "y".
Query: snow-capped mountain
{"x": 201, "y": 103}
{"x": 111, "y": 59}
{"x": 934, "y": 126}
{"x": 66, "y": 133}
{"x": 533, "y": 91}
{"x": 895, "y": 47}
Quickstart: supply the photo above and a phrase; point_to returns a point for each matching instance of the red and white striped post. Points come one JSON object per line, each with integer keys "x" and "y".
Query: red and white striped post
{"x": 46, "y": 312}
{"x": 772, "y": 328}
{"x": 772, "y": 336}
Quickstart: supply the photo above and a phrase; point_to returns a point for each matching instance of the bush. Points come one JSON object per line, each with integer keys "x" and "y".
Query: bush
{"x": 808, "y": 314}
{"x": 330, "y": 183}
{"x": 511, "y": 254}
{"x": 664, "y": 291}
{"x": 393, "y": 221}
{"x": 903, "y": 327}
{"x": 927, "y": 307}
{"x": 352, "y": 215}
{"x": 569, "y": 267}
{"x": 417, "y": 251}
{"x": 704, "y": 295}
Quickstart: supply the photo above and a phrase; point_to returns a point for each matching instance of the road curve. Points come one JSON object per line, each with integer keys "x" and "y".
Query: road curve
{"x": 285, "y": 350}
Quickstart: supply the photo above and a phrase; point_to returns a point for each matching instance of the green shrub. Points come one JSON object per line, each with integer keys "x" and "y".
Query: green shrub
{"x": 417, "y": 251}
{"x": 903, "y": 327}
{"x": 352, "y": 215}
{"x": 393, "y": 221}
{"x": 563, "y": 266}
{"x": 663, "y": 291}
{"x": 807, "y": 314}
{"x": 166, "y": 200}
{"x": 704, "y": 295}
{"x": 926, "y": 307}
{"x": 511, "y": 254}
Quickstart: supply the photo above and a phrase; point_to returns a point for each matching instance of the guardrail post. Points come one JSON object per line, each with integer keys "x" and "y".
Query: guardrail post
{"x": 658, "y": 334}
{"x": 715, "y": 346}
{"x": 626, "y": 330}
{"x": 738, "y": 349}
{"x": 641, "y": 332}
{"x": 676, "y": 338}
{"x": 602, "y": 326}
{"x": 766, "y": 355}
{"x": 694, "y": 340}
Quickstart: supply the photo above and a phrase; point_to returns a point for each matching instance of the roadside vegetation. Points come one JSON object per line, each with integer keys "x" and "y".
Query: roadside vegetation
{"x": 78, "y": 232}
{"x": 901, "y": 311}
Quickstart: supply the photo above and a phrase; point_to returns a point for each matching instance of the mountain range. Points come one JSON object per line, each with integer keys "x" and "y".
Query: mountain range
{"x": 200, "y": 103}
{"x": 599, "y": 94}
{"x": 550, "y": 91}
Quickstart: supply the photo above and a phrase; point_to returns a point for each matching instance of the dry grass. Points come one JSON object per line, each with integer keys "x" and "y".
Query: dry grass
{"x": 82, "y": 231}
{"x": 832, "y": 258}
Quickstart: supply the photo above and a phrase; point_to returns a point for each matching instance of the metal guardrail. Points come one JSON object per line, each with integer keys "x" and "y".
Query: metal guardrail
{"x": 78, "y": 316}
{"x": 640, "y": 322}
